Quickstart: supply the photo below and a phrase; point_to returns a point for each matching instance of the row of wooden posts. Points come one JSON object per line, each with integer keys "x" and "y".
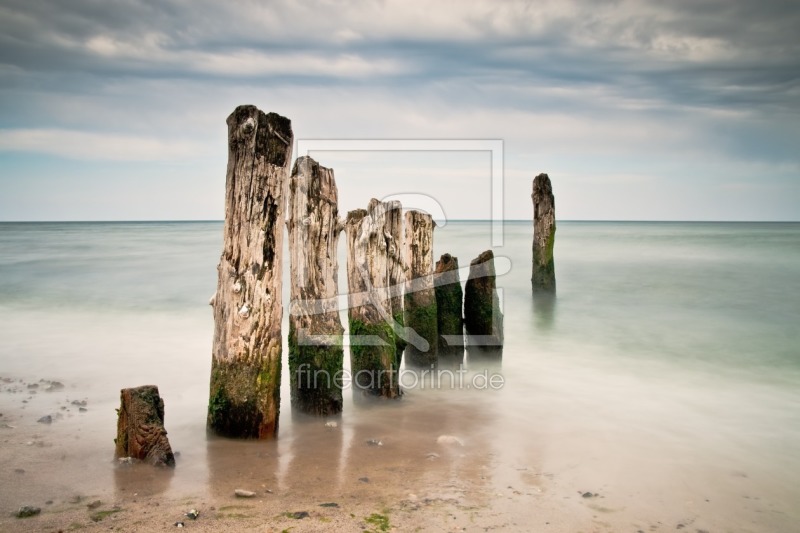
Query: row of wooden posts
{"x": 397, "y": 302}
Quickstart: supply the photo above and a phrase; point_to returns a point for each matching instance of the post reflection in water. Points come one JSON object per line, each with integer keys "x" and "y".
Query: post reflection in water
{"x": 544, "y": 310}
{"x": 142, "y": 479}
{"x": 241, "y": 464}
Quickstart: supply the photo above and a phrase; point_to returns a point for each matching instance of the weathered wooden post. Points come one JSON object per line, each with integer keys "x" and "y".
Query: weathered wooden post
{"x": 449, "y": 318}
{"x": 544, "y": 234}
{"x": 315, "y": 330}
{"x": 140, "y": 427}
{"x": 373, "y": 359}
{"x": 420, "y": 296}
{"x": 482, "y": 316}
{"x": 246, "y": 363}
{"x": 397, "y": 271}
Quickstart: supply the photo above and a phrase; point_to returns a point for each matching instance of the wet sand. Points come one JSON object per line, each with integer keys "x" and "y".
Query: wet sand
{"x": 446, "y": 462}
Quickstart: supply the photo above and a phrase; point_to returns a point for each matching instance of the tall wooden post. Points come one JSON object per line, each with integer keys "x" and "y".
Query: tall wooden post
{"x": 420, "y": 296}
{"x": 371, "y": 251}
{"x": 449, "y": 303}
{"x": 543, "y": 277}
{"x": 246, "y": 363}
{"x": 315, "y": 330}
{"x": 482, "y": 316}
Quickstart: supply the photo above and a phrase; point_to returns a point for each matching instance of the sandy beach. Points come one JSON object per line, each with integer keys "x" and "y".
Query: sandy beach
{"x": 393, "y": 469}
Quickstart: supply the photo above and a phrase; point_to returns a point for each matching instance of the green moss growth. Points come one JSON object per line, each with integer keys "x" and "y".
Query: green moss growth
{"x": 399, "y": 342}
{"x": 544, "y": 271}
{"x": 379, "y": 521}
{"x": 378, "y": 362}
{"x": 315, "y": 373}
{"x": 422, "y": 319}
{"x": 245, "y": 397}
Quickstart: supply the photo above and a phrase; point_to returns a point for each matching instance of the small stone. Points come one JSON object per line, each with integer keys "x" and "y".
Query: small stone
{"x": 241, "y": 493}
{"x": 449, "y": 439}
{"x": 33, "y": 386}
{"x": 79, "y": 403}
{"x": 82, "y": 409}
{"x": 47, "y": 419}
{"x": 94, "y": 505}
{"x": 193, "y": 514}
{"x": 49, "y": 502}
{"x": 331, "y": 425}
{"x": 587, "y": 495}
{"x": 432, "y": 456}
{"x": 330, "y": 504}
{"x": 19, "y": 470}
{"x": 54, "y": 386}
{"x": 298, "y": 515}
{"x": 26, "y": 511}
{"x": 179, "y": 524}
{"x": 364, "y": 479}
{"x": 374, "y": 442}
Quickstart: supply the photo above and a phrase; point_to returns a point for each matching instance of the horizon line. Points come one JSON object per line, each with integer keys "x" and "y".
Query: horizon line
{"x": 199, "y": 220}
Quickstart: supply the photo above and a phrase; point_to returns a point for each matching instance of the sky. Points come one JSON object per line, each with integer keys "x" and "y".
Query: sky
{"x": 647, "y": 110}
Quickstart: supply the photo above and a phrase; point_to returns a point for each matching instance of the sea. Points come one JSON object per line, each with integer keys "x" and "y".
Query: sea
{"x": 663, "y": 376}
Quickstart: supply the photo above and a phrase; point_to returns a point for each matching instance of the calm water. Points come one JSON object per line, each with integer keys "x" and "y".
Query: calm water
{"x": 666, "y": 371}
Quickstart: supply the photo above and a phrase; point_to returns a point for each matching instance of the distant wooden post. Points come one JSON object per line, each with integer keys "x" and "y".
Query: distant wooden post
{"x": 315, "y": 330}
{"x": 543, "y": 277}
{"x": 420, "y": 296}
{"x": 246, "y": 363}
{"x": 370, "y": 257}
{"x": 482, "y": 316}
{"x": 140, "y": 427}
{"x": 449, "y": 303}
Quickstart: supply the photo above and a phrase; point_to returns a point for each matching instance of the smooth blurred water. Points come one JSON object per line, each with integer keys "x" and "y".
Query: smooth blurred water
{"x": 671, "y": 349}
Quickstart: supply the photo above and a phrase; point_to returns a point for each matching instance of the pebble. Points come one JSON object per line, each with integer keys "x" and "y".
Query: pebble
{"x": 331, "y": 425}
{"x": 298, "y": 515}
{"x": 364, "y": 479}
{"x": 47, "y": 419}
{"x": 588, "y": 495}
{"x": 330, "y": 504}
{"x": 241, "y": 493}
{"x": 94, "y": 505}
{"x": 26, "y": 510}
{"x": 374, "y": 442}
{"x": 449, "y": 439}
{"x": 54, "y": 386}
{"x": 193, "y": 514}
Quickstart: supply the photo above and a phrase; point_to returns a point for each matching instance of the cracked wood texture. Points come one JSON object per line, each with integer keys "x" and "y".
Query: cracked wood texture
{"x": 482, "y": 316}
{"x": 420, "y": 296}
{"x": 373, "y": 260}
{"x": 140, "y": 427}
{"x": 449, "y": 303}
{"x": 315, "y": 330}
{"x": 246, "y": 364}
{"x": 543, "y": 277}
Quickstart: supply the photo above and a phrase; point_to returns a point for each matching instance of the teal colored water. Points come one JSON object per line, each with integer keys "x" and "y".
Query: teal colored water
{"x": 668, "y": 362}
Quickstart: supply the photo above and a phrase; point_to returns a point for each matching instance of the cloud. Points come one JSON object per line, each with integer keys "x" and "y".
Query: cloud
{"x": 581, "y": 88}
{"x": 95, "y": 146}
